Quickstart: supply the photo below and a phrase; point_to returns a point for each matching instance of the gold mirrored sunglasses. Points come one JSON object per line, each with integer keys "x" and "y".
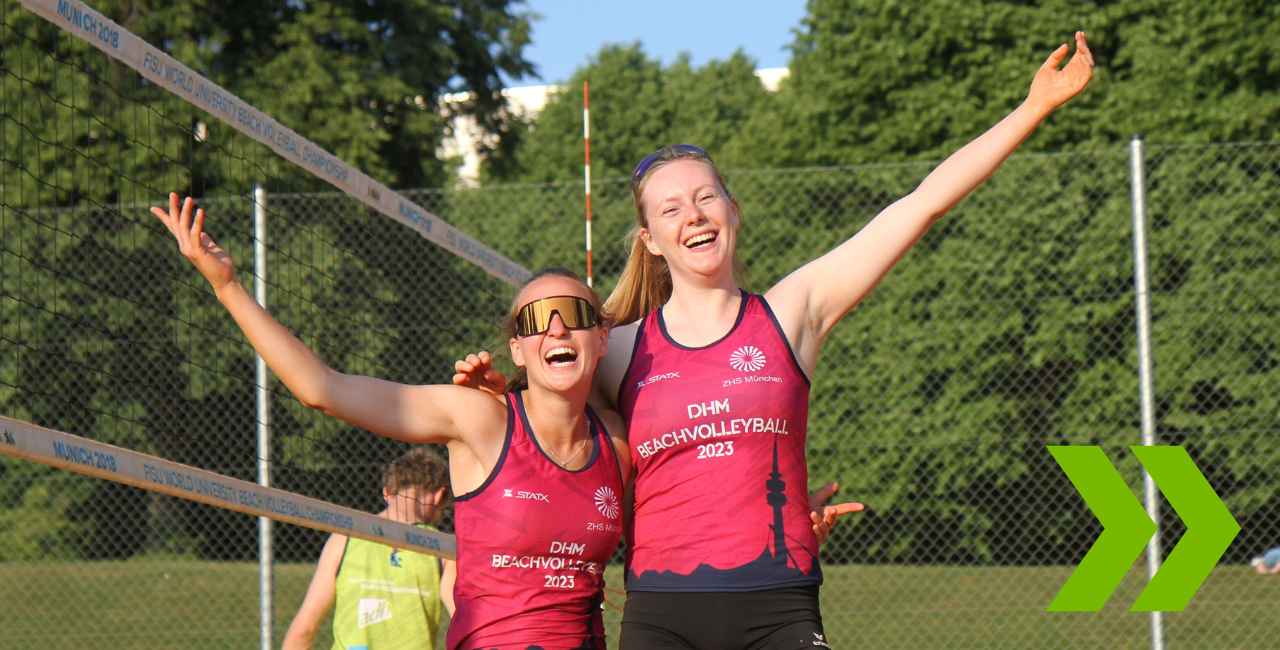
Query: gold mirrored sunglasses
{"x": 535, "y": 317}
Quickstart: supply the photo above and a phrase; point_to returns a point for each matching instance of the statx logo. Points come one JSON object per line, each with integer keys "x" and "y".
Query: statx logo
{"x": 521, "y": 494}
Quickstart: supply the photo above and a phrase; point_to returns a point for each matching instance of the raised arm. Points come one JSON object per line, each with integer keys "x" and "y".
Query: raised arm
{"x": 810, "y": 301}
{"x": 412, "y": 413}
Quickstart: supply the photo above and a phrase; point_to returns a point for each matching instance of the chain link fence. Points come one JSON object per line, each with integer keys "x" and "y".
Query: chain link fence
{"x": 1009, "y": 328}
{"x": 108, "y": 333}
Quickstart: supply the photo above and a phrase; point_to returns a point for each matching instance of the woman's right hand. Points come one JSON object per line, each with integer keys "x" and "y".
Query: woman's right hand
{"x": 477, "y": 371}
{"x": 1052, "y": 87}
{"x": 213, "y": 263}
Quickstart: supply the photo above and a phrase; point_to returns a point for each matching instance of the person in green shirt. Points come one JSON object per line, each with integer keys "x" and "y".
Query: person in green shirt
{"x": 384, "y": 598}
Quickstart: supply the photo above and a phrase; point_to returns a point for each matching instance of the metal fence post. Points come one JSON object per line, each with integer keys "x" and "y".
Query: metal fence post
{"x": 265, "y": 551}
{"x": 1146, "y": 393}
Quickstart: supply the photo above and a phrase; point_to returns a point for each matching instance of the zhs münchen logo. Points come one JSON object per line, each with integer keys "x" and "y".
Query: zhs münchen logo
{"x": 747, "y": 358}
{"x": 607, "y": 502}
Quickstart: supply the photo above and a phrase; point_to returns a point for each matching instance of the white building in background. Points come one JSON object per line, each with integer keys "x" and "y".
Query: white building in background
{"x": 528, "y": 101}
{"x": 771, "y": 78}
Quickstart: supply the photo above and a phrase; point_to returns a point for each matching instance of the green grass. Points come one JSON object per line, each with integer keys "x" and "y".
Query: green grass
{"x": 147, "y": 603}
{"x": 176, "y": 603}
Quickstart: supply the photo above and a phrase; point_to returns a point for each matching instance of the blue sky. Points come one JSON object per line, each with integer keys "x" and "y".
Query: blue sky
{"x": 570, "y": 31}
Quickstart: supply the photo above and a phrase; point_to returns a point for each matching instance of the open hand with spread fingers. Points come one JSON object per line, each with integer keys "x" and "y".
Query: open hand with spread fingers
{"x": 824, "y": 517}
{"x": 213, "y": 263}
{"x": 1052, "y": 87}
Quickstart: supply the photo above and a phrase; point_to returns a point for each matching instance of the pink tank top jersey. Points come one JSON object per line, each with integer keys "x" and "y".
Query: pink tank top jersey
{"x": 718, "y": 438}
{"x": 533, "y": 542}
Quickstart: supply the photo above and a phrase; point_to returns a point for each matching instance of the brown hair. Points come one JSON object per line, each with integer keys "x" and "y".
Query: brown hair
{"x": 421, "y": 468}
{"x": 645, "y": 284}
{"x": 519, "y": 379}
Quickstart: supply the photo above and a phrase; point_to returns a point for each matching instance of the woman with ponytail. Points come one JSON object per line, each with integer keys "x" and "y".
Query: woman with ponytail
{"x": 713, "y": 383}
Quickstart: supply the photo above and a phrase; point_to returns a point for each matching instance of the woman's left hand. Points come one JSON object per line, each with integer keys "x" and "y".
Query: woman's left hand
{"x": 824, "y": 517}
{"x": 1052, "y": 87}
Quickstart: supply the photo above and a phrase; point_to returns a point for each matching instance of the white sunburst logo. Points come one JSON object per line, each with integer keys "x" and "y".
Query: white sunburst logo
{"x": 607, "y": 502}
{"x": 747, "y": 358}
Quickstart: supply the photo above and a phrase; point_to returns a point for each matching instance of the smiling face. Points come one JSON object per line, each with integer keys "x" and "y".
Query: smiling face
{"x": 560, "y": 360}
{"x": 691, "y": 221}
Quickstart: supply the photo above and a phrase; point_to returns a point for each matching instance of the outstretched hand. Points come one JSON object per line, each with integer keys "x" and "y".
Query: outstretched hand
{"x": 477, "y": 371}
{"x": 1053, "y": 87}
{"x": 213, "y": 263}
{"x": 824, "y": 517}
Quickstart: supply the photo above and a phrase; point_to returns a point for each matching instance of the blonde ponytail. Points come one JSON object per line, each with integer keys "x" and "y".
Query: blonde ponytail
{"x": 644, "y": 286}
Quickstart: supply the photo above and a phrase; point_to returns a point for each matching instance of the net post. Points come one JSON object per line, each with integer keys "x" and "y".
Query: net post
{"x": 1146, "y": 391}
{"x": 265, "y": 534}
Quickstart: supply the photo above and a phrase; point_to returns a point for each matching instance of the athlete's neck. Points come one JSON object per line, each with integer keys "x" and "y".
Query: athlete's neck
{"x": 696, "y": 316}
{"x": 404, "y": 516}
{"x": 560, "y": 422}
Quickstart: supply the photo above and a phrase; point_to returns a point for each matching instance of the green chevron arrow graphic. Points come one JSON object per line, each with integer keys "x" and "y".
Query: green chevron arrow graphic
{"x": 1127, "y": 528}
{"x": 1210, "y": 529}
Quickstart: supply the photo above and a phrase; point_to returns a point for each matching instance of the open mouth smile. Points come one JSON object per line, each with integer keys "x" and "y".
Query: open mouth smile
{"x": 701, "y": 240}
{"x": 561, "y": 357}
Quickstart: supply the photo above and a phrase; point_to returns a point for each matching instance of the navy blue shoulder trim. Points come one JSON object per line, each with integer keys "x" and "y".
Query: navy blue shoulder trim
{"x": 783, "y": 335}
{"x": 506, "y": 447}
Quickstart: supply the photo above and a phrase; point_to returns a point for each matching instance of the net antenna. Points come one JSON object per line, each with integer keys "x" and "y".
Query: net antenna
{"x": 586, "y": 168}
{"x": 78, "y": 19}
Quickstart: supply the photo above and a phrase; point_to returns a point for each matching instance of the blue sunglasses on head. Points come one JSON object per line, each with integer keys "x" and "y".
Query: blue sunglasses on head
{"x": 649, "y": 160}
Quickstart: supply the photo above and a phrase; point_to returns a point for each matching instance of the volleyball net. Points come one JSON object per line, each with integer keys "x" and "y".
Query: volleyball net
{"x": 1010, "y": 327}
{"x": 117, "y": 360}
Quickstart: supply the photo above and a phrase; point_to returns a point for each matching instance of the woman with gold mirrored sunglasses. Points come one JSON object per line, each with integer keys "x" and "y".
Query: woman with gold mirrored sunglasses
{"x": 532, "y": 471}
{"x": 535, "y": 317}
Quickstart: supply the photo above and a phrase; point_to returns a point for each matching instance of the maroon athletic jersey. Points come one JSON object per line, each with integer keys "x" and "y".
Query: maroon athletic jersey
{"x": 533, "y": 541}
{"x": 717, "y": 436}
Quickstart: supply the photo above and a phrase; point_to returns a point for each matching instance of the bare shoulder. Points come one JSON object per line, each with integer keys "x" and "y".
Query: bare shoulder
{"x": 469, "y": 406}
{"x": 480, "y": 419}
{"x": 614, "y": 423}
{"x": 471, "y": 399}
{"x": 622, "y": 342}
{"x": 331, "y": 555}
{"x": 789, "y": 299}
{"x": 618, "y": 434}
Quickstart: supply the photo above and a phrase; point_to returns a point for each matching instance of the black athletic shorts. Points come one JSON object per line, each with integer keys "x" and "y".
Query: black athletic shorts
{"x": 774, "y": 619}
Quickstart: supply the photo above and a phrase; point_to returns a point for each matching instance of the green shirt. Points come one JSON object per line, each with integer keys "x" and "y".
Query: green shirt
{"x": 387, "y": 599}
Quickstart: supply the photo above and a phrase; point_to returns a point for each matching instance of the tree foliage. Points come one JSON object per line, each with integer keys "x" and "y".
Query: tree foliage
{"x": 107, "y": 333}
{"x": 360, "y": 79}
{"x": 1011, "y": 326}
{"x": 637, "y": 105}
{"x": 1008, "y": 328}
{"x": 917, "y": 79}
